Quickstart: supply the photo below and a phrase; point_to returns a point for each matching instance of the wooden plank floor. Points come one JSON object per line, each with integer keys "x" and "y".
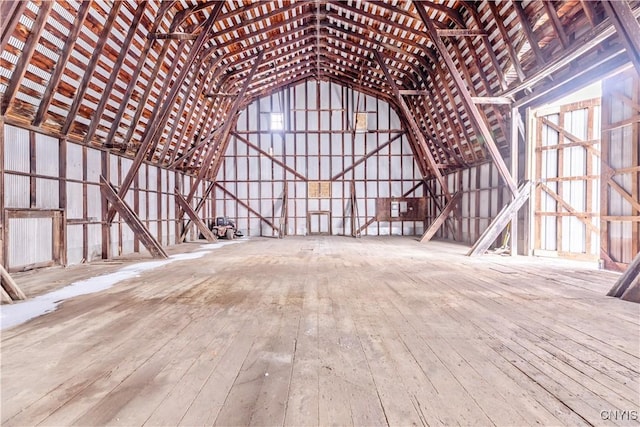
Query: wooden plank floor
{"x": 332, "y": 331}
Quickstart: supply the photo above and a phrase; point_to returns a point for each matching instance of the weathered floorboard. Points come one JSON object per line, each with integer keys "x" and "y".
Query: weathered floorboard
{"x": 329, "y": 330}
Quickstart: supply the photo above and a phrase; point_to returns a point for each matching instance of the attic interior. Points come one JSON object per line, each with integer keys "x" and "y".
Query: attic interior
{"x": 439, "y": 202}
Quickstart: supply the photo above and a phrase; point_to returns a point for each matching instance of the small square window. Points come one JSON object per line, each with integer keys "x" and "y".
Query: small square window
{"x": 277, "y": 121}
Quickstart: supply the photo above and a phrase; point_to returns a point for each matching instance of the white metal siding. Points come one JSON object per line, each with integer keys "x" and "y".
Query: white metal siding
{"x": 30, "y": 241}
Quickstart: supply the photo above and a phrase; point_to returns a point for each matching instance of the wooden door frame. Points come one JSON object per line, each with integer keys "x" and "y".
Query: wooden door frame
{"x": 566, "y": 140}
{"x": 58, "y": 250}
{"x": 319, "y": 213}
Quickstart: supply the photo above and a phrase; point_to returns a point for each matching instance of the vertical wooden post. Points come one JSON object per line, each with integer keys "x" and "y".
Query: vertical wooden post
{"x": 515, "y": 121}
{"x": 62, "y": 196}
{"x": 32, "y": 170}
{"x": 2, "y": 189}
{"x": 106, "y": 226}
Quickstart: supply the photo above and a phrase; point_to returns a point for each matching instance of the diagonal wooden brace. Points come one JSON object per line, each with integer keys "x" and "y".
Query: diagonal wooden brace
{"x": 439, "y": 221}
{"x": 132, "y": 220}
{"x": 624, "y": 287}
{"x": 249, "y": 208}
{"x": 195, "y": 219}
{"x": 10, "y": 287}
{"x": 185, "y": 229}
{"x": 501, "y": 220}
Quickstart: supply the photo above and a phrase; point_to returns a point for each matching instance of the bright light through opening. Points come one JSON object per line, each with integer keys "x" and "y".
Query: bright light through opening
{"x": 277, "y": 121}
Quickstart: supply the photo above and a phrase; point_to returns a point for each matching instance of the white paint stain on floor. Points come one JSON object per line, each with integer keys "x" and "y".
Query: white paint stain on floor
{"x": 20, "y": 312}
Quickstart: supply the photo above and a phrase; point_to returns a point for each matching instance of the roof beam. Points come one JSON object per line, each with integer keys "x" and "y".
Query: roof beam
{"x": 10, "y": 14}
{"x": 134, "y": 78}
{"x": 61, "y": 63}
{"x": 528, "y": 32}
{"x": 224, "y": 133}
{"x": 511, "y": 51}
{"x": 627, "y": 28}
{"x": 151, "y": 128}
{"x": 90, "y": 67}
{"x": 483, "y": 132}
{"x": 578, "y": 48}
{"x": 27, "y": 52}
{"x": 126, "y": 44}
{"x": 414, "y": 127}
{"x": 555, "y": 23}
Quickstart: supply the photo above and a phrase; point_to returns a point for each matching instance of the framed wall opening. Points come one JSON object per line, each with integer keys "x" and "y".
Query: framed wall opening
{"x": 34, "y": 238}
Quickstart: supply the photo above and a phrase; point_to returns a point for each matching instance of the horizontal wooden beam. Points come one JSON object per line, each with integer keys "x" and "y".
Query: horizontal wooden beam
{"x": 504, "y": 100}
{"x": 461, "y": 32}
{"x": 172, "y": 36}
{"x": 410, "y": 92}
{"x": 578, "y": 48}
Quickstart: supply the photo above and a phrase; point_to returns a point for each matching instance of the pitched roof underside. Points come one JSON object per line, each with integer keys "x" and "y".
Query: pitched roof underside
{"x": 154, "y": 75}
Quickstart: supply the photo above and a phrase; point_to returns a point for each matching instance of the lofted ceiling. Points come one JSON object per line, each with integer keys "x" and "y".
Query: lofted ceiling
{"x": 164, "y": 81}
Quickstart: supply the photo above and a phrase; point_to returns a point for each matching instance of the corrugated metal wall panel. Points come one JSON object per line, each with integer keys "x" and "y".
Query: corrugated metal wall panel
{"x": 47, "y": 193}
{"x": 16, "y": 194}
{"x": 94, "y": 202}
{"x": 256, "y": 180}
{"x": 47, "y": 149}
{"x": 74, "y": 200}
{"x": 74, "y": 162}
{"x": 128, "y": 238}
{"x": 94, "y": 165}
{"x": 30, "y": 241}
{"x": 94, "y": 240}
{"x": 74, "y": 244}
{"x": 16, "y": 149}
